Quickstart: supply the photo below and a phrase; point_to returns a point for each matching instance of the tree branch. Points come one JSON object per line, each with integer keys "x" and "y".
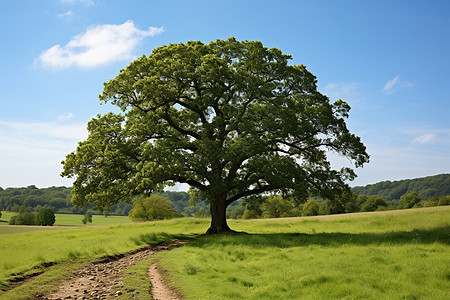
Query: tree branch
{"x": 178, "y": 128}
{"x": 247, "y": 193}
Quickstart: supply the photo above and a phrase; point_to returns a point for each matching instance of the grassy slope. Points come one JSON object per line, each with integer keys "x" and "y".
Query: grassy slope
{"x": 401, "y": 254}
{"x": 21, "y": 252}
{"x": 73, "y": 220}
{"x": 395, "y": 255}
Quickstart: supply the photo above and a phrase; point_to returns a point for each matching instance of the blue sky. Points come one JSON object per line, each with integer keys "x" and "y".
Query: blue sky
{"x": 389, "y": 60}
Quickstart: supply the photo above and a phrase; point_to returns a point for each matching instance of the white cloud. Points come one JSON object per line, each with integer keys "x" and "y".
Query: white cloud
{"x": 395, "y": 84}
{"x": 97, "y": 46}
{"x": 65, "y": 116}
{"x": 67, "y": 14}
{"x": 424, "y": 139}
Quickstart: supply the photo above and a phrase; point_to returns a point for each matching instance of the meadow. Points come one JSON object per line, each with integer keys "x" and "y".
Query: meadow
{"x": 397, "y": 255}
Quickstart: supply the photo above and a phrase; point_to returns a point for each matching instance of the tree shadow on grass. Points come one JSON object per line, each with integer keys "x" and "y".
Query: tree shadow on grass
{"x": 286, "y": 240}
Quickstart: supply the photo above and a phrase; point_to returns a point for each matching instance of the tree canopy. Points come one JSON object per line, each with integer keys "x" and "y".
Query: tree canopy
{"x": 230, "y": 118}
{"x": 152, "y": 208}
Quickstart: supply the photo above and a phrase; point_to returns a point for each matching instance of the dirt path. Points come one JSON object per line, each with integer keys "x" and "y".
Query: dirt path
{"x": 160, "y": 290}
{"x": 103, "y": 279}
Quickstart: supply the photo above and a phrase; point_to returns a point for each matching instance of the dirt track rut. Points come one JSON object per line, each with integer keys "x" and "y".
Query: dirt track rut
{"x": 103, "y": 279}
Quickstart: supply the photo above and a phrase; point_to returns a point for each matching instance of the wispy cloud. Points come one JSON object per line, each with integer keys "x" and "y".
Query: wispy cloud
{"x": 67, "y": 14}
{"x": 99, "y": 45}
{"x": 424, "y": 139}
{"x": 395, "y": 84}
{"x": 65, "y": 117}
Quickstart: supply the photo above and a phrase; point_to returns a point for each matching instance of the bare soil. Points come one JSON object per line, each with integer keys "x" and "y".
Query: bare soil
{"x": 160, "y": 290}
{"x": 103, "y": 279}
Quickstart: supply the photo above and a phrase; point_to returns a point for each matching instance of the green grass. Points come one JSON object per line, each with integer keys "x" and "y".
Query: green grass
{"x": 136, "y": 283}
{"x": 393, "y": 255}
{"x": 73, "y": 220}
{"x": 386, "y": 255}
{"x": 22, "y": 252}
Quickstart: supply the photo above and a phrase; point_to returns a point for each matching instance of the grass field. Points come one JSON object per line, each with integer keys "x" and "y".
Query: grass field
{"x": 390, "y": 255}
{"x": 74, "y": 220}
{"x": 386, "y": 255}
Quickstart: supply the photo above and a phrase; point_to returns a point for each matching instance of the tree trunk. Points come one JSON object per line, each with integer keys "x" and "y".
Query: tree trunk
{"x": 218, "y": 208}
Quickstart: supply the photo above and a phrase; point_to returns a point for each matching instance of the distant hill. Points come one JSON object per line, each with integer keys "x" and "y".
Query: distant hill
{"x": 59, "y": 199}
{"x": 427, "y": 187}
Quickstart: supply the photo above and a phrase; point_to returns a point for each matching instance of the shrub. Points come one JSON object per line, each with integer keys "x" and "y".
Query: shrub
{"x": 310, "y": 208}
{"x": 45, "y": 217}
{"x": 277, "y": 207}
{"x": 237, "y": 212}
{"x": 12, "y": 221}
{"x": 409, "y": 200}
{"x": 374, "y": 203}
{"x": 444, "y": 201}
{"x": 152, "y": 208}
{"x": 87, "y": 218}
{"x": 24, "y": 218}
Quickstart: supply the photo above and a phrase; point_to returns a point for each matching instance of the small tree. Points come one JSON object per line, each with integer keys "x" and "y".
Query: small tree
{"x": 409, "y": 200}
{"x": 45, "y": 217}
{"x": 87, "y": 218}
{"x": 23, "y": 218}
{"x": 444, "y": 201}
{"x": 151, "y": 208}
{"x": 310, "y": 208}
{"x": 237, "y": 212}
{"x": 277, "y": 207}
{"x": 373, "y": 203}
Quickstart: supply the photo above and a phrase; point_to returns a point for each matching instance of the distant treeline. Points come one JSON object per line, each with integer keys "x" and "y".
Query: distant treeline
{"x": 420, "y": 192}
{"x": 59, "y": 200}
{"x": 436, "y": 186}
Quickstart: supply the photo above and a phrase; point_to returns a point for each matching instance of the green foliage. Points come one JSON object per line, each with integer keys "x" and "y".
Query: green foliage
{"x": 237, "y": 212}
{"x": 373, "y": 203}
{"x": 45, "y": 217}
{"x": 152, "y": 208}
{"x": 56, "y": 198}
{"x": 444, "y": 201}
{"x": 276, "y": 206}
{"x": 310, "y": 208}
{"x": 409, "y": 200}
{"x": 24, "y": 217}
{"x": 231, "y": 119}
{"x": 87, "y": 218}
{"x": 432, "y": 186}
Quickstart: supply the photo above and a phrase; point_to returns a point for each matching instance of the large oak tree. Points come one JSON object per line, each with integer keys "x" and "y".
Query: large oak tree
{"x": 230, "y": 118}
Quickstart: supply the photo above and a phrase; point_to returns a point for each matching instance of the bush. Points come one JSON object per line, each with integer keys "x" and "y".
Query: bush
{"x": 12, "y": 221}
{"x": 310, "y": 208}
{"x": 152, "y": 208}
{"x": 45, "y": 217}
{"x": 24, "y": 218}
{"x": 409, "y": 200}
{"x": 277, "y": 207}
{"x": 374, "y": 203}
{"x": 237, "y": 212}
{"x": 444, "y": 201}
{"x": 87, "y": 218}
